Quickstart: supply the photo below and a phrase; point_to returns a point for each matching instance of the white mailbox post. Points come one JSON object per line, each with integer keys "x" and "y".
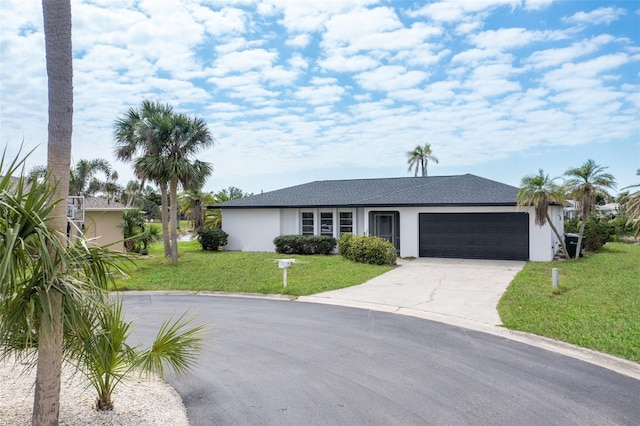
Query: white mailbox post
{"x": 284, "y": 265}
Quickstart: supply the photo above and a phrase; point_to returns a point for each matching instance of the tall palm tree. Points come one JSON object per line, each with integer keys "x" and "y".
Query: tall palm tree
{"x": 540, "y": 191}
{"x": 59, "y": 56}
{"x": 172, "y": 160}
{"x": 584, "y": 183}
{"x": 136, "y": 137}
{"x": 419, "y": 158}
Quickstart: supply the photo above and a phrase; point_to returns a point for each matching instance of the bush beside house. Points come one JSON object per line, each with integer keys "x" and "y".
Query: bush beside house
{"x": 367, "y": 249}
{"x": 212, "y": 239}
{"x": 304, "y": 244}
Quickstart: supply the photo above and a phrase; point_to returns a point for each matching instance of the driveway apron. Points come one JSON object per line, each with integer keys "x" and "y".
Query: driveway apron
{"x": 457, "y": 291}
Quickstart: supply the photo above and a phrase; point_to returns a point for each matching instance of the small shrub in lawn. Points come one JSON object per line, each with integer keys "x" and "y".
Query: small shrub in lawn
{"x": 368, "y": 249}
{"x": 304, "y": 244}
{"x": 212, "y": 239}
{"x": 344, "y": 243}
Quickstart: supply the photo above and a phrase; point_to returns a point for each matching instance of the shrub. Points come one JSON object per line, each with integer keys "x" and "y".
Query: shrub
{"x": 304, "y": 244}
{"x": 596, "y": 233}
{"x": 212, "y": 239}
{"x": 366, "y": 249}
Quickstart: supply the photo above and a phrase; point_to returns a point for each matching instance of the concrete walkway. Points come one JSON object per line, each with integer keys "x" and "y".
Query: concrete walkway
{"x": 465, "y": 291}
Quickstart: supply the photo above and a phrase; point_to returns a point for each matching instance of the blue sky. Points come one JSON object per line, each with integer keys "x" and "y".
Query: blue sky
{"x": 296, "y": 91}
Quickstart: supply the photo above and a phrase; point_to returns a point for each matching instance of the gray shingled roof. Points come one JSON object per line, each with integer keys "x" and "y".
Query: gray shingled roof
{"x": 96, "y": 203}
{"x": 461, "y": 190}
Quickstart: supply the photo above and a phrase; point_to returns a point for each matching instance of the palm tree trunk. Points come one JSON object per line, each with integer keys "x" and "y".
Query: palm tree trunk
{"x": 173, "y": 193}
{"x": 555, "y": 231}
{"x": 57, "y": 30}
{"x": 165, "y": 219}
{"x": 580, "y": 236}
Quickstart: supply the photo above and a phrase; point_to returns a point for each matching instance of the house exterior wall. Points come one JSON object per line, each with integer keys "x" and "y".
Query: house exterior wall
{"x": 104, "y": 225}
{"x": 255, "y": 229}
{"x": 251, "y": 229}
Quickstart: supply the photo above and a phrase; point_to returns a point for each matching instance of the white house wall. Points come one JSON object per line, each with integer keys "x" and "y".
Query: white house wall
{"x": 251, "y": 229}
{"x": 255, "y": 229}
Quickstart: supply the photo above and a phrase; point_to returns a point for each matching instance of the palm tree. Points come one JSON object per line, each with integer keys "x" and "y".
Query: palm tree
{"x": 192, "y": 203}
{"x": 59, "y": 56}
{"x": 539, "y": 191}
{"x": 176, "y": 140}
{"x": 136, "y": 137}
{"x": 82, "y": 181}
{"x": 584, "y": 184}
{"x": 419, "y": 158}
{"x": 106, "y": 358}
{"x": 632, "y": 207}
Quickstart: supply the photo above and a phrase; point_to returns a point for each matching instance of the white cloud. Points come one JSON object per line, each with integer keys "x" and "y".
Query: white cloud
{"x": 602, "y": 15}
{"x": 300, "y": 40}
{"x": 388, "y": 78}
{"x": 537, "y": 4}
{"x": 557, "y": 56}
{"x": 507, "y": 38}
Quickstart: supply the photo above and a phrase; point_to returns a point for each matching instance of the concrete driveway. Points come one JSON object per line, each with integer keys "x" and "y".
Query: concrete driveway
{"x": 456, "y": 291}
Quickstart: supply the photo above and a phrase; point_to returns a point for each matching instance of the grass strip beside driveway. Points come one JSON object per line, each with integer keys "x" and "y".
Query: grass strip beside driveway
{"x": 596, "y": 306}
{"x": 240, "y": 272}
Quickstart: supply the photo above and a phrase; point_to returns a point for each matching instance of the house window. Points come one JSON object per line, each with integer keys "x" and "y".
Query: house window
{"x": 346, "y": 222}
{"x": 307, "y": 223}
{"x": 326, "y": 223}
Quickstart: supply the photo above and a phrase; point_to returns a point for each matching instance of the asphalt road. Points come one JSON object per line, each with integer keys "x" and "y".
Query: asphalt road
{"x": 273, "y": 362}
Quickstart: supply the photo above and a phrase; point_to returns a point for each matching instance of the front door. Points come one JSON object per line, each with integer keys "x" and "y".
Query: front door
{"x": 386, "y": 225}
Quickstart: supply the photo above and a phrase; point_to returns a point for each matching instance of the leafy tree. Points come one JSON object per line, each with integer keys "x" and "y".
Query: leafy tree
{"x": 137, "y": 136}
{"x": 584, "y": 183}
{"x": 540, "y": 191}
{"x": 419, "y": 158}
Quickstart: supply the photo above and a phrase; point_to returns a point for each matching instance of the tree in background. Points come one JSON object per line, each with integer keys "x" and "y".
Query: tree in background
{"x": 192, "y": 205}
{"x": 419, "y": 158}
{"x": 540, "y": 191}
{"x": 584, "y": 183}
{"x": 631, "y": 207}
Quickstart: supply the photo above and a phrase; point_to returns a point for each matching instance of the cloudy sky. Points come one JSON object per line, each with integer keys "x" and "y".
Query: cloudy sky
{"x": 297, "y": 90}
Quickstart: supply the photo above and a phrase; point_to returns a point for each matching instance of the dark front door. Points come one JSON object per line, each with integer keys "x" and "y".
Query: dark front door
{"x": 386, "y": 225}
{"x": 475, "y": 235}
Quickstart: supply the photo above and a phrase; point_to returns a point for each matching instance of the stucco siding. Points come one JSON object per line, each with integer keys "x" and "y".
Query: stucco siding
{"x": 251, "y": 229}
{"x": 105, "y": 227}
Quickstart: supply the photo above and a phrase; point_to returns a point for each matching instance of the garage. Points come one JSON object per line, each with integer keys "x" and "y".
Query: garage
{"x": 474, "y": 235}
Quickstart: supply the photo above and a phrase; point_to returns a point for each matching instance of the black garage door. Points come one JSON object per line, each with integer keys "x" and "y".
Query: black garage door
{"x": 475, "y": 235}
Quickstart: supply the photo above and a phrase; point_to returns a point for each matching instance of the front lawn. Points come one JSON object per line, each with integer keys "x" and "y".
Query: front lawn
{"x": 199, "y": 270}
{"x": 596, "y": 306}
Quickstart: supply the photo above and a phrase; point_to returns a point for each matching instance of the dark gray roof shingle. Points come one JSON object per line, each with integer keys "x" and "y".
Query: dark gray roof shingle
{"x": 459, "y": 190}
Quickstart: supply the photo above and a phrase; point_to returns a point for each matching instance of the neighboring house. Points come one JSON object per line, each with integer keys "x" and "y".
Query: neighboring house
{"x": 571, "y": 209}
{"x": 102, "y": 221}
{"x": 463, "y": 216}
{"x": 608, "y": 210}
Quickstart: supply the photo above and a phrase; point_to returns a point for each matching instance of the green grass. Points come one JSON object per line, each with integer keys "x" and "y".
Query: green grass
{"x": 199, "y": 270}
{"x": 596, "y": 306}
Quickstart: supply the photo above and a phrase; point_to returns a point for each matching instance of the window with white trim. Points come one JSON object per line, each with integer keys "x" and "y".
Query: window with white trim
{"x": 346, "y": 222}
{"x": 307, "y": 223}
{"x": 326, "y": 223}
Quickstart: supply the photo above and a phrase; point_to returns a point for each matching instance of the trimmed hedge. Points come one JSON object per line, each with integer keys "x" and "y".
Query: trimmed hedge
{"x": 367, "y": 249}
{"x": 212, "y": 239}
{"x": 304, "y": 244}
